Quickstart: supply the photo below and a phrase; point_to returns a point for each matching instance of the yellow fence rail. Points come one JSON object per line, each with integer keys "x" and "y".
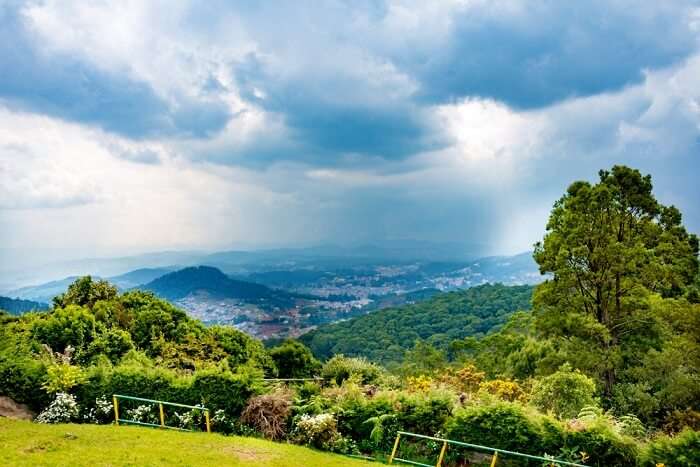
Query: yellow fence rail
{"x": 161, "y": 412}
{"x": 494, "y": 451}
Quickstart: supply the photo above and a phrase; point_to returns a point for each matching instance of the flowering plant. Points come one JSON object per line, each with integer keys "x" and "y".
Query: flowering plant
{"x": 63, "y": 409}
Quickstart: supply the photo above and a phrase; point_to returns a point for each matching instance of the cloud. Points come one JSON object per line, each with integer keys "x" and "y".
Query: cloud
{"x": 39, "y": 78}
{"x": 329, "y": 83}
{"x": 533, "y": 54}
{"x": 161, "y": 125}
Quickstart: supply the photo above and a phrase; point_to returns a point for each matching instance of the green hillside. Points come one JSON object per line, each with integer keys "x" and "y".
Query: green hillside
{"x": 179, "y": 284}
{"x": 32, "y": 444}
{"x": 18, "y": 306}
{"x": 384, "y": 335}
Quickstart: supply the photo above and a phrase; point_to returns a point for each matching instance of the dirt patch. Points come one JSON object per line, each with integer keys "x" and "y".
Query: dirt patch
{"x": 250, "y": 455}
{"x": 11, "y": 409}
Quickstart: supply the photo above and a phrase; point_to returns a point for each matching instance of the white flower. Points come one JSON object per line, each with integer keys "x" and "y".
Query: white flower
{"x": 63, "y": 409}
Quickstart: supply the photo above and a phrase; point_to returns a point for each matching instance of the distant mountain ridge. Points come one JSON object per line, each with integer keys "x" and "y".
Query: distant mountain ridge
{"x": 45, "y": 292}
{"x": 15, "y": 274}
{"x": 18, "y": 306}
{"x": 137, "y": 277}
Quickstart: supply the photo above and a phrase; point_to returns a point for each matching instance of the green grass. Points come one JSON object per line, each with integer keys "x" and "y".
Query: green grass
{"x": 25, "y": 443}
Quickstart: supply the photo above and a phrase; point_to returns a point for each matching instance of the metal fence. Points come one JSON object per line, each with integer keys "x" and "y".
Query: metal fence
{"x": 161, "y": 410}
{"x": 495, "y": 452}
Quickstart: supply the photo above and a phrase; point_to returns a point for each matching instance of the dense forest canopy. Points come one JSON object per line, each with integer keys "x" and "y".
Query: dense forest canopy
{"x": 383, "y": 336}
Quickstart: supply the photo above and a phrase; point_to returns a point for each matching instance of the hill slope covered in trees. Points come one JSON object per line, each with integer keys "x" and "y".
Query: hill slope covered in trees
{"x": 17, "y": 306}
{"x": 385, "y": 335}
{"x": 179, "y": 284}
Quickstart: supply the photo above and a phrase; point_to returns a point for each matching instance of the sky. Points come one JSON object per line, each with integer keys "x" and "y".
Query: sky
{"x": 133, "y": 126}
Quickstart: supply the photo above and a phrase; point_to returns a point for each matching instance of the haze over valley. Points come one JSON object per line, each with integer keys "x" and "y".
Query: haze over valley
{"x": 285, "y": 293}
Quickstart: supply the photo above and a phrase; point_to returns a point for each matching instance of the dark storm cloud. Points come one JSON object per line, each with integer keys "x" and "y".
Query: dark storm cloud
{"x": 339, "y": 114}
{"x": 68, "y": 88}
{"x": 542, "y": 52}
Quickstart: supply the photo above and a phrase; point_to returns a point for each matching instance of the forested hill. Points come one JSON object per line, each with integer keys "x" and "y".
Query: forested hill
{"x": 17, "y": 306}
{"x": 383, "y": 336}
{"x": 179, "y": 284}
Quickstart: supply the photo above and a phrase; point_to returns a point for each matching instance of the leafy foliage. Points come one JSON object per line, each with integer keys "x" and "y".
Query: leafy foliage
{"x": 680, "y": 451}
{"x": 340, "y": 368}
{"x": 564, "y": 392}
{"x": 383, "y": 336}
{"x": 608, "y": 247}
{"x": 294, "y": 360}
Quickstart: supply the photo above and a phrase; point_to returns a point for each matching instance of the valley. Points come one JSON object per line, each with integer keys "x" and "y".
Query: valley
{"x": 288, "y": 293}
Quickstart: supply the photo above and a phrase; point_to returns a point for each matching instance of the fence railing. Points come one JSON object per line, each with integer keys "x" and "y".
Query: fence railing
{"x": 161, "y": 411}
{"x": 291, "y": 380}
{"x": 494, "y": 458}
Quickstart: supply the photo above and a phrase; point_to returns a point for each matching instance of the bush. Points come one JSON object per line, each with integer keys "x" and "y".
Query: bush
{"x": 63, "y": 409}
{"x": 564, "y": 392}
{"x": 340, "y": 368}
{"x": 135, "y": 380}
{"x": 102, "y": 412}
{"x": 502, "y": 425}
{"x": 268, "y": 414}
{"x": 294, "y": 360}
{"x": 62, "y": 377}
{"x": 22, "y": 380}
{"x": 190, "y": 419}
{"x": 145, "y": 413}
{"x": 678, "y": 420}
{"x": 426, "y": 413}
{"x": 114, "y": 343}
{"x": 71, "y": 326}
{"x": 222, "y": 389}
{"x": 601, "y": 444}
{"x": 321, "y": 431}
{"x": 680, "y": 451}
{"x": 503, "y": 389}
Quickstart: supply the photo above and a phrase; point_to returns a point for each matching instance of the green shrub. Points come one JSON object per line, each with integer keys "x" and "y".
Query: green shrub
{"x": 134, "y": 380}
{"x": 341, "y": 368}
{"x": 294, "y": 360}
{"x": 71, "y": 326}
{"x": 21, "y": 379}
{"x": 601, "y": 444}
{"x": 62, "y": 377}
{"x": 564, "y": 392}
{"x": 354, "y": 410}
{"x": 423, "y": 413}
{"x": 502, "y": 425}
{"x": 682, "y": 450}
{"x": 321, "y": 431}
{"x": 114, "y": 343}
{"x": 222, "y": 389}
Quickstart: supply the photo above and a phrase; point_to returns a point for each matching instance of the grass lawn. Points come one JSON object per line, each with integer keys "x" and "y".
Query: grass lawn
{"x": 25, "y": 443}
